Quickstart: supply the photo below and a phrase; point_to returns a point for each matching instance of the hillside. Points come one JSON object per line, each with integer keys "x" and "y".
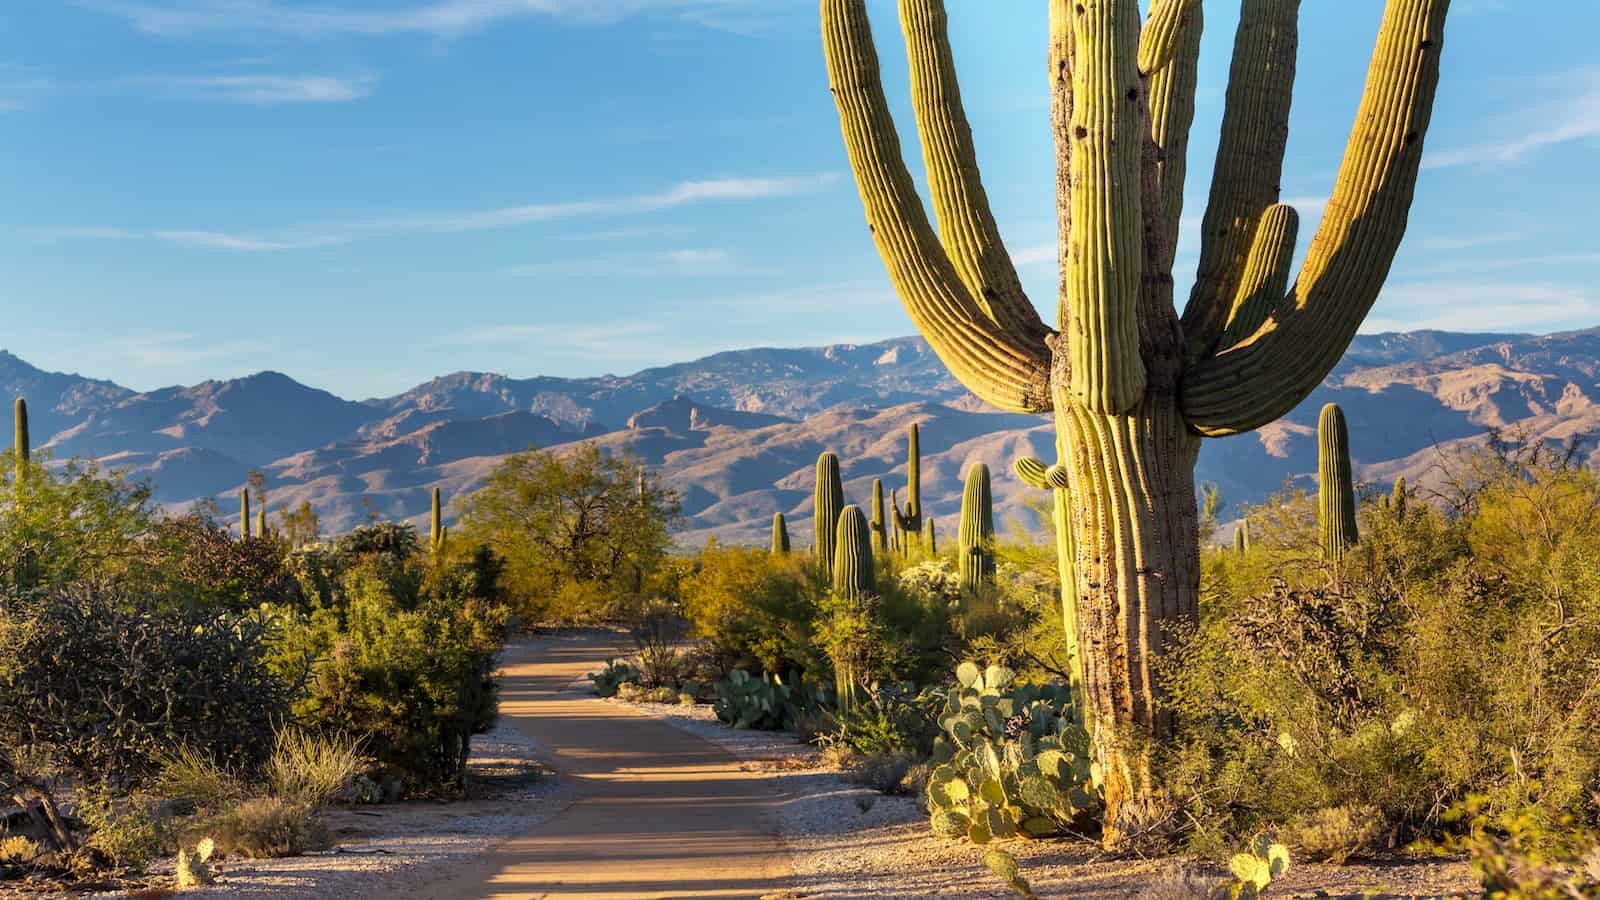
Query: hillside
{"x": 738, "y": 432}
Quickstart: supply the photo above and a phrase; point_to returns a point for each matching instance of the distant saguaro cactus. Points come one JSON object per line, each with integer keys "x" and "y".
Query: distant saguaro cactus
{"x": 1397, "y": 500}
{"x": 244, "y": 513}
{"x": 977, "y": 530}
{"x": 780, "y": 535}
{"x": 1241, "y": 537}
{"x": 853, "y": 575}
{"x": 21, "y": 445}
{"x": 930, "y": 537}
{"x": 261, "y": 523}
{"x": 1336, "y": 490}
{"x": 910, "y": 518}
{"x": 1132, "y": 384}
{"x": 436, "y": 528}
{"x": 828, "y": 500}
{"x": 879, "y": 524}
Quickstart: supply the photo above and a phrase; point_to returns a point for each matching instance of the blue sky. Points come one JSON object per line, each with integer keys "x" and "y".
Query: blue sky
{"x": 366, "y": 193}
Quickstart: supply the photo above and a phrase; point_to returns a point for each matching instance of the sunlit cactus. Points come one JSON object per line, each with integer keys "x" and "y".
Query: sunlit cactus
{"x": 1132, "y": 384}
{"x": 21, "y": 445}
{"x": 1241, "y": 537}
{"x": 879, "y": 523}
{"x": 1336, "y": 489}
{"x": 930, "y": 537}
{"x": 910, "y": 518}
{"x": 977, "y": 530}
{"x": 261, "y": 523}
{"x": 853, "y": 575}
{"x": 828, "y": 500}
{"x": 780, "y": 535}
{"x": 244, "y": 513}
{"x": 436, "y": 527}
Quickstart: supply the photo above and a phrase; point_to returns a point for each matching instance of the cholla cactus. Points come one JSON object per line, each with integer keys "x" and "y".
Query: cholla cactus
{"x": 1336, "y": 489}
{"x": 828, "y": 500}
{"x": 780, "y": 535}
{"x": 977, "y": 530}
{"x": 21, "y": 445}
{"x": 1132, "y": 385}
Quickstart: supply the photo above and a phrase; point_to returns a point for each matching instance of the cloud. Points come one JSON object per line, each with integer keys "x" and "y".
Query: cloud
{"x": 609, "y": 340}
{"x": 261, "y": 89}
{"x": 1484, "y": 306}
{"x": 1036, "y": 255}
{"x": 166, "y": 349}
{"x": 684, "y": 193}
{"x": 439, "y": 18}
{"x": 698, "y": 262}
{"x": 1573, "y": 117}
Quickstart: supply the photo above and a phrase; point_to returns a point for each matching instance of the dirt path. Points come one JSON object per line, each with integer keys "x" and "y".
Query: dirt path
{"x": 658, "y": 812}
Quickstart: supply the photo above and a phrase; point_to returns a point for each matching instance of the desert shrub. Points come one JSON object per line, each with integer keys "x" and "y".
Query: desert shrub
{"x": 127, "y": 832}
{"x": 201, "y": 565}
{"x": 93, "y": 678}
{"x": 1336, "y": 833}
{"x": 615, "y": 674}
{"x": 1517, "y": 855}
{"x": 890, "y": 719}
{"x": 268, "y": 828}
{"x": 883, "y": 772}
{"x": 313, "y": 769}
{"x": 754, "y": 609}
{"x": 636, "y": 694}
{"x": 1455, "y": 651}
{"x": 657, "y": 629}
{"x": 194, "y": 779}
{"x": 70, "y": 524}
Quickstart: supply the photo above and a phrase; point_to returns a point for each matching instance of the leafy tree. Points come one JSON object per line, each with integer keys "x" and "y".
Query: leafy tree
{"x": 71, "y": 523}
{"x": 573, "y": 524}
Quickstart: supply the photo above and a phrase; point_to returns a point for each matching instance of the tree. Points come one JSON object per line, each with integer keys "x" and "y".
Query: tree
{"x": 1132, "y": 385}
{"x": 578, "y": 519}
{"x": 300, "y": 525}
{"x": 71, "y": 524}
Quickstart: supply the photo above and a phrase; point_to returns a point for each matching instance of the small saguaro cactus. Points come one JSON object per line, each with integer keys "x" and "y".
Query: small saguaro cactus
{"x": 1336, "y": 490}
{"x": 436, "y": 528}
{"x": 261, "y": 523}
{"x": 853, "y": 575}
{"x": 1133, "y": 384}
{"x": 880, "y": 525}
{"x": 244, "y": 513}
{"x": 828, "y": 500}
{"x": 780, "y": 535}
{"x": 910, "y": 519}
{"x": 1397, "y": 500}
{"x": 977, "y": 530}
{"x": 1241, "y": 537}
{"x": 21, "y": 445}
{"x": 930, "y": 537}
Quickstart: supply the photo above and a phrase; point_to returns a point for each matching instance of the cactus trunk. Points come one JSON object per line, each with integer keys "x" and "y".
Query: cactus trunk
{"x": 828, "y": 500}
{"x": 910, "y": 518}
{"x": 436, "y": 521}
{"x": 780, "y": 535}
{"x": 853, "y": 575}
{"x": 244, "y": 513}
{"x": 880, "y": 525}
{"x": 977, "y": 530}
{"x": 261, "y": 522}
{"x": 21, "y": 445}
{"x": 1336, "y": 490}
{"x": 1397, "y": 500}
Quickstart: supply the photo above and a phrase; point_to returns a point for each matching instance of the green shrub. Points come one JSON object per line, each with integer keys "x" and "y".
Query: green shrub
{"x": 1337, "y": 833}
{"x": 754, "y": 609}
{"x": 615, "y": 674}
{"x": 126, "y": 831}
{"x": 107, "y": 687}
{"x": 268, "y": 828}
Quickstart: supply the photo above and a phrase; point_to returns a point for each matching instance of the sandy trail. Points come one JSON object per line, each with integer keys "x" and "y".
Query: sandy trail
{"x": 658, "y": 812}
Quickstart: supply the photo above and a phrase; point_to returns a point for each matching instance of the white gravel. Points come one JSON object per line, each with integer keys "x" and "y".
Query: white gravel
{"x": 392, "y": 849}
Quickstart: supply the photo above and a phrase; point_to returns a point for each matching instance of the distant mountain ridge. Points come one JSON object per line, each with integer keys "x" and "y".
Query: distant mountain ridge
{"x": 738, "y": 432}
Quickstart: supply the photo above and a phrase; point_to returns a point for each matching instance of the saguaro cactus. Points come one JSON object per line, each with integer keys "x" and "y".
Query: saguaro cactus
{"x": 910, "y": 518}
{"x": 828, "y": 500}
{"x": 880, "y": 525}
{"x": 21, "y": 445}
{"x": 1134, "y": 386}
{"x": 780, "y": 535}
{"x": 1241, "y": 537}
{"x": 436, "y": 527}
{"x": 1336, "y": 489}
{"x": 1056, "y": 480}
{"x": 853, "y": 575}
{"x": 977, "y": 530}
{"x": 1397, "y": 500}
{"x": 930, "y": 536}
{"x": 244, "y": 513}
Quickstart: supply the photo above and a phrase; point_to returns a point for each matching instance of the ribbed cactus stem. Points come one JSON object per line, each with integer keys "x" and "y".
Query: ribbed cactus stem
{"x": 977, "y": 530}
{"x": 1241, "y": 537}
{"x": 1336, "y": 491}
{"x": 21, "y": 445}
{"x": 853, "y": 575}
{"x": 780, "y": 535}
{"x": 880, "y": 525}
{"x": 261, "y": 523}
{"x": 1398, "y": 498}
{"x": 244, "y": 513}
{"x": 828, "y": 500}
{"x": 910, "y": 518}
{"x": 930, "y": 537}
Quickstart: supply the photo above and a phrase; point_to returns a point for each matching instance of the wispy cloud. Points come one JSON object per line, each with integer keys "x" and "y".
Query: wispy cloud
{"x": 696, "y": 262}
{"x": 439, "y": 18}
{"x": 684, "y": 193}
{"x": 586, "y": 340}
{"x": 167, "y": 349}
{"x": 1448, "y": 243}
{"x": 1483, "y": 306}
{"x": 261, "y": 89}
{"x": 1574, "y": 116}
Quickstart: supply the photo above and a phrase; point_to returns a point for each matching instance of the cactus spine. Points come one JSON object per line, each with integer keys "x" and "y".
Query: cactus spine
{"x": 21, "y": 445}
{"x": 910, "y": 519}
{"x": 828, "y": 500}
{"x": 244, "y": 513}
{"x": 977, "y": 530}
{"x": 1336, "y": 489}
{"x": 780, "y": 535}
{"x": 880, "y": 526}
{"x": 1132, "y": 385}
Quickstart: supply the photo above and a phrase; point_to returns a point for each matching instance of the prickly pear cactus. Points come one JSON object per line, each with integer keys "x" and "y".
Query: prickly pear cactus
{"x": 1011, "y": 762}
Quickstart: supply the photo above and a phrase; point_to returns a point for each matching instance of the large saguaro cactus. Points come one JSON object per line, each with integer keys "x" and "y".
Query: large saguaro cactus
{"x": 21, "y": 444}
{"x": 827, "y": 501}
{"x": 1132, "y": 384}
{"x": 1336, "y": 488}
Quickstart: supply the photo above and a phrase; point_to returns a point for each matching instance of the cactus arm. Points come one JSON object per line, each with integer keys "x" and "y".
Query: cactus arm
{"x": 1169, "y": 55}
{"x": 1266, "y": 273}
{"x": 1105, "y": 243}
{"x": 1007, "y": 369}
{"x": 1249, "y": 166}
{"x": 1264, "y": 376}
{"x": 966, "y": 222}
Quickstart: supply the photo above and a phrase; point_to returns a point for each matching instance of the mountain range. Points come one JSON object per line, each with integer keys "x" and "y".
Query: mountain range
{"x": 738, "y": 433}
